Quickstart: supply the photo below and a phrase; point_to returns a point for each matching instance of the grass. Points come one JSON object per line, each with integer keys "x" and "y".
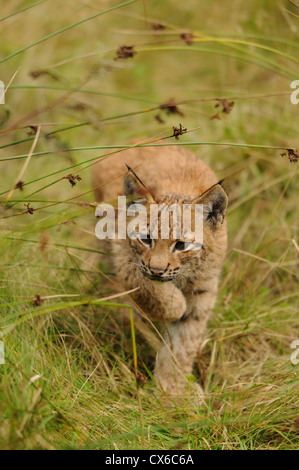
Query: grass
{"x": 72, "y": 349}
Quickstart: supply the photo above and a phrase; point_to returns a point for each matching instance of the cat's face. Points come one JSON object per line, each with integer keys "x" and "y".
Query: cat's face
{"x": 164, "y": 259}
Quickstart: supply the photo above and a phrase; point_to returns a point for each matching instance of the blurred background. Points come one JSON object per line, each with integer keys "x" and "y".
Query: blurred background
{"x": 83, "y": 79}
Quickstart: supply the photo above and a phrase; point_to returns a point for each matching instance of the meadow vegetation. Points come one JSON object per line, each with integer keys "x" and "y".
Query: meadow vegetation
{"x": 80, "y": 86}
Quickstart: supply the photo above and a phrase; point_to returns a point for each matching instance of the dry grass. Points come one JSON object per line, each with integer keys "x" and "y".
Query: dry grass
{"x": 68, "y": 380}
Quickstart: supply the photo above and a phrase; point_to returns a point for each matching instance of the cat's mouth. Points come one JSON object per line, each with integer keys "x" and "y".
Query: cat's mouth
{"x": 152, "y": 277}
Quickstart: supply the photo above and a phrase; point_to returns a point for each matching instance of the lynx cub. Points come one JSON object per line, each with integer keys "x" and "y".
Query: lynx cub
{"x": 177, "y": 280}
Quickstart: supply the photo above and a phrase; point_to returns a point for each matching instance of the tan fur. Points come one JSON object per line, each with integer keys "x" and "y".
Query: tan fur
{"x": 187, "y": 295}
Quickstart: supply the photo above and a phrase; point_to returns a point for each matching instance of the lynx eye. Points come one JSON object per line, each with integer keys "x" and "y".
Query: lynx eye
{"x": 186, "y": 246}
{"x": 147, "y": 241}
{"x": 180, "y": 246}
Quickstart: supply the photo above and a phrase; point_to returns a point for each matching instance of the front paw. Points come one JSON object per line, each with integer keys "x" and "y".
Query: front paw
{"x": 183, "y": 392}
{"x": 177, "y": 307}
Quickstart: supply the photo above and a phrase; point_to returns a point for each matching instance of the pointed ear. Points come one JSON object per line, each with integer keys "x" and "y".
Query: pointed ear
{"x": 214, "y": 205}
{"x": 135, "y": 190}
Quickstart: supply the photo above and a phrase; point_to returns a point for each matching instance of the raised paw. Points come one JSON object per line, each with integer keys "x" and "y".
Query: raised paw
{"x": 177, "y": 305}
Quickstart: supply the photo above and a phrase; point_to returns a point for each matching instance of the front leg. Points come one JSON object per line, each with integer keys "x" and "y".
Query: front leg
{"x": 182, "y": 342}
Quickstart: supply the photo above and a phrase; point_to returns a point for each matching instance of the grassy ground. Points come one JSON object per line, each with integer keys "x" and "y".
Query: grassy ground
{"x": 68, "y": 380}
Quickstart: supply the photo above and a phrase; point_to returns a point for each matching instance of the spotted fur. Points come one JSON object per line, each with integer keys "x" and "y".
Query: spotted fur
{"x": 176, "y": 287}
